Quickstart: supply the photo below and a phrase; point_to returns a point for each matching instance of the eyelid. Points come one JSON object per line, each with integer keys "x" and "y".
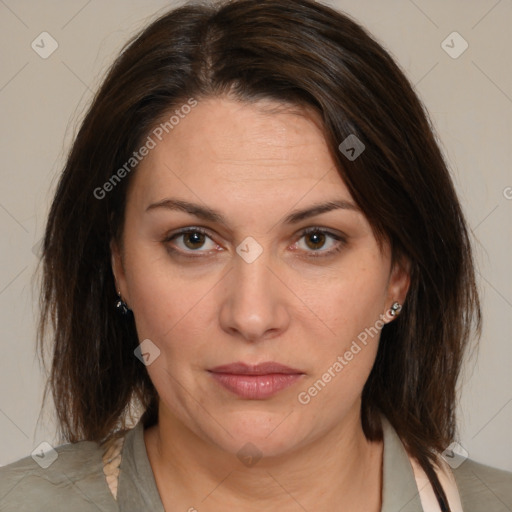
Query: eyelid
{"x": 183, "y": 231}
{"x": 341, "y": 238}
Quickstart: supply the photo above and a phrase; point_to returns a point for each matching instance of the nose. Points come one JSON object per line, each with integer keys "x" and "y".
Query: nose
{"x": 254, "y": 307}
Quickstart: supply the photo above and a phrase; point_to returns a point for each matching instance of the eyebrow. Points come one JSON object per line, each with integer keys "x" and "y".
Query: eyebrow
{"x": 209, "y": 214}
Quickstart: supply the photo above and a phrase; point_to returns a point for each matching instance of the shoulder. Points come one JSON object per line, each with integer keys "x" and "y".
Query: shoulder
{"x": 483, "y": 487}
{"x": 68, "y": 477}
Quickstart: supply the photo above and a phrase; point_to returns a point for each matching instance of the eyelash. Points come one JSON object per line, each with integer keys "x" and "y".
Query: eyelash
{"x": 312, "y": 254}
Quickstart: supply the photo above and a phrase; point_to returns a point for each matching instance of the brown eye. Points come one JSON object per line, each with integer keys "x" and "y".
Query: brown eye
{"x": 194, "y": 239}
{"x": 315, "y": 240}
{"x": 190, "y": 240}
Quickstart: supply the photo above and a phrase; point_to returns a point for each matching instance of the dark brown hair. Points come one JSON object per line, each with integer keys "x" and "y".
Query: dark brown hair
{"x": 300, "y": 53}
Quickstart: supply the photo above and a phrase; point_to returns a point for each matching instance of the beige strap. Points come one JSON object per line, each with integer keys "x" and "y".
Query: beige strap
{"x": 112, "y": 462}
{"x": 446, "y": 479}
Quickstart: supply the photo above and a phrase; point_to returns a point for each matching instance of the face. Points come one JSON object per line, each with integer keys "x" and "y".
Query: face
{"x": 219, "y": 267}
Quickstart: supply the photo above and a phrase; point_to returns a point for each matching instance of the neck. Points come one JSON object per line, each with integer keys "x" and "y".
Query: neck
{"x": 339, "y": 471}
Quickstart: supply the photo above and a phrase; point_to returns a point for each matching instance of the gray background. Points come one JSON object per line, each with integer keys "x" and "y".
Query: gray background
{"x": 470, "y": 101}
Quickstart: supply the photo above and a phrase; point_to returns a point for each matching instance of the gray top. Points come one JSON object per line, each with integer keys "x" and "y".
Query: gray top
{"x": 75, "y": 481}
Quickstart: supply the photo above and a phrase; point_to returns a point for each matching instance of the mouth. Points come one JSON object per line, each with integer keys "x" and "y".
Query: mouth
{"x": 255, "y": 382}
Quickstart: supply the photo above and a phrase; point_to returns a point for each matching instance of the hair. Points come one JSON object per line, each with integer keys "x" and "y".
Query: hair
{"x": 298, "y": 53}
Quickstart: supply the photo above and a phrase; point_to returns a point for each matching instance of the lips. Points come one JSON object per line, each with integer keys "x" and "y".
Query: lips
{"x": 255, "y": 382}
{"x": 257, "y": 369}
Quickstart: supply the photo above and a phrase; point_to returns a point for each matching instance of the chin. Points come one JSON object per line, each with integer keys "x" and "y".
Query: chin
{"x": 267, "y": 435}
{"x": 257, "y": 446}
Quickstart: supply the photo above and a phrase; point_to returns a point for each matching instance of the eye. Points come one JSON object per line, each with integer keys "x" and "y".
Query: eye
{"x": 191, "y": 240}
{"x": 316, "y": 239}
{"x": 317, "y": 242}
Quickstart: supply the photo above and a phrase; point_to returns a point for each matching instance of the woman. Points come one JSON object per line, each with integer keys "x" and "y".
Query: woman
{"x": 257, "y": 255}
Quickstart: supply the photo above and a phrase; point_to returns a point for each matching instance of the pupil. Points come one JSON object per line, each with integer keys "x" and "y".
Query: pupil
{"x": 194, "y": 239}
{"x": 317, "y": 239}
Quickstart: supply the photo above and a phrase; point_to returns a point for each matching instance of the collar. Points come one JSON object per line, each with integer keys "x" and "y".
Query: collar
{"x": 399, "y": 489}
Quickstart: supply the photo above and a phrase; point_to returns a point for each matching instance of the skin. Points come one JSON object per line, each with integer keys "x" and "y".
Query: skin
{"x": 254, "y": 164}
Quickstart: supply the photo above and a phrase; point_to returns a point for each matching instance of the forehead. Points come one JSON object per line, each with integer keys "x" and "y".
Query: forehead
{"x": 263, "y": 148}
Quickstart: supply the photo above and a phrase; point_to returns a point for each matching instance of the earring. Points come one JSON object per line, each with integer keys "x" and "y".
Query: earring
{"x": 396, "y": 307}
{"x": 121, "y": 306}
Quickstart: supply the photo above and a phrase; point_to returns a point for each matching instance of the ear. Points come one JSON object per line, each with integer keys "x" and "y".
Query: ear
{"x": 399, "y": 282}
{"x": 118, "y": 269}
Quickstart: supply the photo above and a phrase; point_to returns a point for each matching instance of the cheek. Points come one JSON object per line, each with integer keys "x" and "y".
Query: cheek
{"x": 169, "y": 315}
{"x": 335, "y": 304}
{"x": 352, "y": 298}
{"x": 160, "y": 297}
{"x": 350, "y": 306}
